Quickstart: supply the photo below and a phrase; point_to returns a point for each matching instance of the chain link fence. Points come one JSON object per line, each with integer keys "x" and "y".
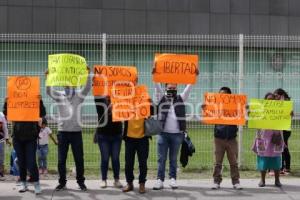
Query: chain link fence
{"x": 253, "y": 65}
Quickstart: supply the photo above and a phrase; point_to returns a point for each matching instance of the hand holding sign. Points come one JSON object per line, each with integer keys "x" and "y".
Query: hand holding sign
{"x": 175, "y": 68}
{"x": 66, "y": 70}
{"x": 270, "y": 114}
{"x": 226, "y": 109}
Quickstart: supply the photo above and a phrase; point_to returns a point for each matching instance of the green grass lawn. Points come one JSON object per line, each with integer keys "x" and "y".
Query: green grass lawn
{"x": 202, "y": 160}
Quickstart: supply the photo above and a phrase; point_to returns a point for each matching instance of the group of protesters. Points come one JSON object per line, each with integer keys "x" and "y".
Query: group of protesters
{"x": 271, "y": 146}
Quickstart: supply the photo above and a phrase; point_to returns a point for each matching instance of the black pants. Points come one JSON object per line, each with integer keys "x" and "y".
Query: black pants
{"x": 26, "y": 154}
{"x": 286, "y": 156}
{"x": 75, "y": 139}
{"x": 141, "y": 147}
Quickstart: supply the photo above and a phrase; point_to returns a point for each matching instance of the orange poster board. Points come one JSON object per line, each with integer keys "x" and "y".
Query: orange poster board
{"x": 23, "y": 98}
{"x": 130, "y": 103}
{"x": 228, "y": 109}
{"x": 105, "y": 77}
{"x": 175, "y": 68}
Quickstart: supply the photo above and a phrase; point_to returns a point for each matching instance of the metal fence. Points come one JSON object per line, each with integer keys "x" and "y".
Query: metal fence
{"x": 253, "y": 65}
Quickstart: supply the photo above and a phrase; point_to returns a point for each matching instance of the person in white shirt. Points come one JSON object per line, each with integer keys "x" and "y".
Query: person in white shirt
{"x": 43, "y": 149}
{"x": 4, "y": 138}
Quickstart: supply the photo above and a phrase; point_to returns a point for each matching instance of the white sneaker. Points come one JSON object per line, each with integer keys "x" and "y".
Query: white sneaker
{"x": 117, "y": 184}
{"x": 237, "y": 186}
{"x": 103, "y": 184}
{"x": 173, "y": 184}
{"x": 37, "y": 188}
{"x": 23, "y": 187}
{"x": 215, "y": 186}
{"x": 158, "y": 185}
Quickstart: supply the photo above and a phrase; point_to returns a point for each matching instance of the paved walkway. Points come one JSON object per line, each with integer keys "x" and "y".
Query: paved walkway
{"x": 188, "y": 190}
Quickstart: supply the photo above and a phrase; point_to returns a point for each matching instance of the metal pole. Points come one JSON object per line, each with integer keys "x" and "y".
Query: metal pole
{"x": 104, "y": 49}
{"x": 241, "y": 85}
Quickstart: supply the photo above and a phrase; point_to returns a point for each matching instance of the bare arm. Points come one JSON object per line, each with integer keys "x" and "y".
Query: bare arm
{"x": 53, "y": 93}
{"x": 159, "y": 93}
{"x": 84, "y": 92}
{"x": 186, "y": 92}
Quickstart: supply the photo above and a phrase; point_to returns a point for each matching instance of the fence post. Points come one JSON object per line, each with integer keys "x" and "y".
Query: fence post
{"x": 104, "y": 39}
{"x": 240, "y": 88}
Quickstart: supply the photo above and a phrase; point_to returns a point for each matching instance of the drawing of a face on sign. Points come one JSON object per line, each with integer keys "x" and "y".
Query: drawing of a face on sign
{"x": 23, "y": 83}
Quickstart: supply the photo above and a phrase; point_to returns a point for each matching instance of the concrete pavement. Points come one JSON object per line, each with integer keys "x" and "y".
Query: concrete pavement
{"x": 188, "y": 190}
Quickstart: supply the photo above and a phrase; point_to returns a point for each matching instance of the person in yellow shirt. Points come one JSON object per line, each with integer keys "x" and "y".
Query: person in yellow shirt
{"x": 136, "y": 143}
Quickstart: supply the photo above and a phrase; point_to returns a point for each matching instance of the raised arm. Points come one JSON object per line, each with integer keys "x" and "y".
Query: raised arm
{"x": 84, "y": 92}
{"x": 56, "y": 95}
{"x": 159, "y": 93}
{"x": 186, "y": 92}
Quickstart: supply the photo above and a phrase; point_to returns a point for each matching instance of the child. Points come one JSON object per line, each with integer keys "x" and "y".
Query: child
{"x": 268, "y": 146}
{"x": 42, "y": 149}
{"x": 225, "y": 141}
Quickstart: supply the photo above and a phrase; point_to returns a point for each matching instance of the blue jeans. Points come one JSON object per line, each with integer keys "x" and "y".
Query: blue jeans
{"x": 64, "y": 140}
{"x": 168, "y": 142}
{"x": 26, "y": 154}
{"x": 42, "y": 153}
{"x": 110, "y": 146}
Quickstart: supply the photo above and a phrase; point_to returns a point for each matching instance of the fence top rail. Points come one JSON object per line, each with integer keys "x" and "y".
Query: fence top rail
{"x": 182, "y": 40}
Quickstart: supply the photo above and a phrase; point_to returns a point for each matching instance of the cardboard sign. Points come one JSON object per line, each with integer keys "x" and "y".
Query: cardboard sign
{"x": 270, "y": 114}
{"x": 130, "y": 103}
{"x": 66, "y": 70}
{"x": 175, "y": 68}
{"x": 105, "y": 77}
{"x": 228, "y": 109}
{"x": 23, "y": 98}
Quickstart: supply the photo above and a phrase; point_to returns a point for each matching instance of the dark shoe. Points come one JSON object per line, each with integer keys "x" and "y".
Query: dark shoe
{"x": 278, "y": 184}
{"x": 128, "y": 187}
{"x": 142, "y": 189}
{"x": 60, "y": 187}
{"x": 82, "y": 186}
{"x": 261, "y": 184}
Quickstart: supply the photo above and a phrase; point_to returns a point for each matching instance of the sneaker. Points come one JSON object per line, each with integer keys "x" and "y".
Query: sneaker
{"x": 60, "y": 187}
{"x": 2, "y": 178}
{"x": 82, "y": 186}
{"x": 23, "y": 187}
{"x": 103, "y": 184}
{"x": 215, "y": 186}
{"x": 37, "y": 188}
{"x": 117, "y": 184}
{"x": 261, "y": 184}
{"x": 158, "y": 185}
{"x": 237, "y": 186}
{"x": 278, "y": 184}
{"x": 173, "y": 184}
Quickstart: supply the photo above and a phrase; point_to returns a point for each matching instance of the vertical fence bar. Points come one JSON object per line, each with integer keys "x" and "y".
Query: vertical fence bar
{"x": 104, "y": 40}
{"x": 240, "y": 90}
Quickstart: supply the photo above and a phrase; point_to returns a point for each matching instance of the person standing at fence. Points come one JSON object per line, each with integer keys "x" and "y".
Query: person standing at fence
{"x": 225, "y": 142}
{"x": 108, "y": 136}
{"x": 69, "y": 105}
{"x": 42, "y": 150}
{"x": 268, "y": 145}
{"x": 25, "y": 135}
{"x": 136, "y": 143}
{"x": 171, "y": 113}
{"x": 4, "y": 138}
{"x": 282, "y": 95}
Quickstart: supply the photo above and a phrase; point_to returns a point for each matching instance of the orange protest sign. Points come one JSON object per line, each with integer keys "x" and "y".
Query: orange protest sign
{"x": 105, "y": 77}
{"x": 226, "y": 109}
{"x": 130, "y": 103}
{"x": 23, "y": 98}
{"x": 175, "y": 68}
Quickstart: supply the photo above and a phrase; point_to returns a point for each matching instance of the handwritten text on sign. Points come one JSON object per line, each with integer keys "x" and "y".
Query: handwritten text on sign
{"x": 270, "y": 114}
{"x": 175, "y": 68}
{"x": 106, "y": 77}
{"x": 23, "y": 98}
{"x": 66, "y": 70}
{"x": 224, "y": 109}
{"x": 130, "y": 103}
